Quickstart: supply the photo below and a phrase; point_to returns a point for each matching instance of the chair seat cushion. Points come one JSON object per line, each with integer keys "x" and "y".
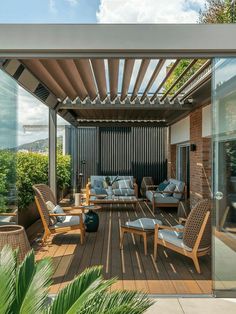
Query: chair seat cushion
{"x": 172, "y": 237}
{"x": 143, "y": 223}
{"x": 69, "y": 221}
{"x": 123, "y": 192}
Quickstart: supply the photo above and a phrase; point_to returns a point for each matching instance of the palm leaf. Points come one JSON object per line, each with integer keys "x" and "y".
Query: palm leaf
{"x": 118, "y": 302}
{"x": 8, "y": 264}
{"x": 83, "y": 289}
{"x": 24, "y": 277}
{"x": 36, "y": 294}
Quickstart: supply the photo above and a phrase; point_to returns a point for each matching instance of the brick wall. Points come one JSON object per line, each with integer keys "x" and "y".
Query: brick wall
{"x": 200, "y": 160}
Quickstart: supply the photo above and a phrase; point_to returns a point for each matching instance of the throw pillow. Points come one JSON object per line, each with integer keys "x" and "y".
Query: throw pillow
{"x": 162, "y": 186}
{"x": 179, "y": 234}
{"x": 58, "y": 210}
{"x": 124, "y": 184}
{"x": 50, "y": 207}
{"x": 98, "y": 184}
{"x": 170, "y": 189}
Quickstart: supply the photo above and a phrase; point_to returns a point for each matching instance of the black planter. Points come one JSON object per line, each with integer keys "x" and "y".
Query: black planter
{"x": 91, "y": 221}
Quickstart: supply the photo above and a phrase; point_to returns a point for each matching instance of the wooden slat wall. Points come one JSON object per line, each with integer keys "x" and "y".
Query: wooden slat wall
{"x": 137, "y": 151}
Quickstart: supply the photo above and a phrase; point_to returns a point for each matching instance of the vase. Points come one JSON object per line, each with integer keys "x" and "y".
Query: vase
{"x": 16, "y": 238}
{"x": 91, "y": 221}
{"x": 109, "y": 191}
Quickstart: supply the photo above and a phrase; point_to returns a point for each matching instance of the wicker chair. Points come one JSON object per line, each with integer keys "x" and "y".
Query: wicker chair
{"x": 43, "y": 195}
{"x": 196, "y": 234}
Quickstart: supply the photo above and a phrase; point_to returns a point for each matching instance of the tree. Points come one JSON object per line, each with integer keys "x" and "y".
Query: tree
{"x": 24, "y": 290}
{"x": 218, "y": 11}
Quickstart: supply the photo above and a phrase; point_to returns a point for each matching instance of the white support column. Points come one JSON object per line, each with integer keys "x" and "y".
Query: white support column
{"x": 53, "y": 150}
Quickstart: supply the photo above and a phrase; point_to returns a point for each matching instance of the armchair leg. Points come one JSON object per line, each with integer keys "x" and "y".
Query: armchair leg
{"x": 82, "y": 235}
{"x": 145, "y": 243}
{"x": 45, "y": 236}
{"x": 153, "y": 207}
{"x": 196, "y": 264}
{"x": 155, "y": 251}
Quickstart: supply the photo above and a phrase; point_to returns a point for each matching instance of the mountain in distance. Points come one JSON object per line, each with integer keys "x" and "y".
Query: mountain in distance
{"x": 39, "y": 146}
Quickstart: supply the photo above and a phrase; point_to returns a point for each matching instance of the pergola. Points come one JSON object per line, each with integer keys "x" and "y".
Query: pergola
{"x": 76, "y": 69}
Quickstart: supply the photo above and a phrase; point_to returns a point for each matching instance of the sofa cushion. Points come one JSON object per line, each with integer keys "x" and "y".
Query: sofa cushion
{"x": 123, "y": 192}
{"x": 143, "y": 223}
{"x": 124, "y": 184}
{"x": 169, "y": 188}
{"x": 96, "y": 178}
{"x": 179, "y": 188}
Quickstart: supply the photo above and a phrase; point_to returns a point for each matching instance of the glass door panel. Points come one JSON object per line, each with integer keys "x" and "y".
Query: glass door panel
{"x": 224, "y": 175}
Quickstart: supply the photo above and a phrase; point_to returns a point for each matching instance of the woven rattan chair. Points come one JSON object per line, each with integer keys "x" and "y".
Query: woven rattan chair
{"x": 43, "y": 194}
{"x": 196, "y": 234}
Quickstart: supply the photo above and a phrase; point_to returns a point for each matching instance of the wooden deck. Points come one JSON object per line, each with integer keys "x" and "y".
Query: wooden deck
{"x": 172, "y": 274}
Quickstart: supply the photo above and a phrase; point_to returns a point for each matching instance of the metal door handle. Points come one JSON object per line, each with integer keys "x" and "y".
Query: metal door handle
{"x": 219, "y": 195}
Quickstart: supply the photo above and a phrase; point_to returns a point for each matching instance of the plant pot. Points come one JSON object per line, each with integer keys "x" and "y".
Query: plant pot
{"x": 91, "y": 221}
{"x": 16, "y": 238}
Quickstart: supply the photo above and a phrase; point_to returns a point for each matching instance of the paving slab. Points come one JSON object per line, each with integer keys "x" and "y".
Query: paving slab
{"x": 193, "y": 306}
{"x": 208, "y": 305}
{"x": 166, "y": 306}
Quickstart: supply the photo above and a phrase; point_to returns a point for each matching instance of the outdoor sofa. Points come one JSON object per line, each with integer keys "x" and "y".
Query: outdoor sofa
{"x": 167, "y": 194}
{"x": 123, "y": 186}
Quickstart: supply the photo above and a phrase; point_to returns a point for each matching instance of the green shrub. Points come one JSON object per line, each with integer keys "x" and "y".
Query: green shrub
{"x": 29, "y": 168}
{"x": 7, "y": 176}
{"x": 32, "y": 168}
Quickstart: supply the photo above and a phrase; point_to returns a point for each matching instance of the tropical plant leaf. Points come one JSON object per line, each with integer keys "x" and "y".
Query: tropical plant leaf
{"x": 8, "y": 264}
{"x": 36, "y": 295}
{"x": 118, "y": 302}
{"x": 24, "y": 277}
{"x": 83, "y": 289}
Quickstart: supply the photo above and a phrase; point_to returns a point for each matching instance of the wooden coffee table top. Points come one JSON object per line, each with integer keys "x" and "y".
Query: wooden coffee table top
{"x": 115, "y": 200}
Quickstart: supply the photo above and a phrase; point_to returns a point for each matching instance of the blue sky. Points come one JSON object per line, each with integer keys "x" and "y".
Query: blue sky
{"x": 100, "y": 11}
{"x": 48, "y": 11}
{"x": 30, "y": 110}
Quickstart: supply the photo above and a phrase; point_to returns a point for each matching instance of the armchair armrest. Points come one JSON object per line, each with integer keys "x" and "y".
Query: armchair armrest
{"x": 8, "y": 214}
{"x": 68, "y": 209}
{"x": 157, "y": 227}
{"x": 149, "y": 187}
{"x": 65, "y": 214}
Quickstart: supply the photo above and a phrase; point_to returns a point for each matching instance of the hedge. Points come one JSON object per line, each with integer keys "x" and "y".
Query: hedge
{"x": 31, "y": 168}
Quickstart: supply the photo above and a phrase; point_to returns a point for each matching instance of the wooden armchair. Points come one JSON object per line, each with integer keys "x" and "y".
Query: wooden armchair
{"x": 196, "y": 240}
{"x": 74, "y": 221}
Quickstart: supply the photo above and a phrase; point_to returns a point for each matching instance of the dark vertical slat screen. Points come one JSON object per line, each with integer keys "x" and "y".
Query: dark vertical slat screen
{"x": 137, "y": 151}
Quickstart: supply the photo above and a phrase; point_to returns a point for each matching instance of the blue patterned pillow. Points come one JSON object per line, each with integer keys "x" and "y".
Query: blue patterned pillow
{"x": 58, "y": 210}
{"x": 162, "y": 186}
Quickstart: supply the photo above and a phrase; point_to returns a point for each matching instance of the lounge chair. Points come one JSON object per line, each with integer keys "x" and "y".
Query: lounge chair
{"x": 196, "y": 234}
{"x": 73, "y": 221}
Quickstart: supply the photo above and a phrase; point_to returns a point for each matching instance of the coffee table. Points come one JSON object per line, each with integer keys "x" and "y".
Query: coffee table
{"x": 114, "y": 200}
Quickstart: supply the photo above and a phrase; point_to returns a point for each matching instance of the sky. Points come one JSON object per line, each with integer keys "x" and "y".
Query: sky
{"x": 100, "y": 11}
{"x": 30, "y": 110}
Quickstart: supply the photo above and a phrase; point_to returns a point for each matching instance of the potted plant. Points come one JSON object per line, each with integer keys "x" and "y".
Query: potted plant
{"x": 109, "y": 183}
{"x": 24, "y": 289}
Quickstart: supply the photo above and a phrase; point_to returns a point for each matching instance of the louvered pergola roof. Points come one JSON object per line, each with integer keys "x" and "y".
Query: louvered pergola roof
{"x": 113, "y": 73}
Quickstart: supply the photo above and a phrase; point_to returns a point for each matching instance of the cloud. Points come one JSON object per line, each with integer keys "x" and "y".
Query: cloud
{"x": 72, "y": 2}
{"x": 52, "y": 6}
{"x": 149, "y": 11}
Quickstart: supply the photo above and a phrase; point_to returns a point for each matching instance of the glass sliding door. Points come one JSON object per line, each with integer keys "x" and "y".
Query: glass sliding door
{"x": 224, "y": 176}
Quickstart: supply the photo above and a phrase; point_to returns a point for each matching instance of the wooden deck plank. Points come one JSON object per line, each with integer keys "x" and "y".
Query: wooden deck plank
{"x": 171, "y": 274}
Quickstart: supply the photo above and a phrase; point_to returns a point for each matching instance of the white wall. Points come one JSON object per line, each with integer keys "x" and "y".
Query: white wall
{"x": 206, "y": 121}
{"x": 180, "y": 131}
